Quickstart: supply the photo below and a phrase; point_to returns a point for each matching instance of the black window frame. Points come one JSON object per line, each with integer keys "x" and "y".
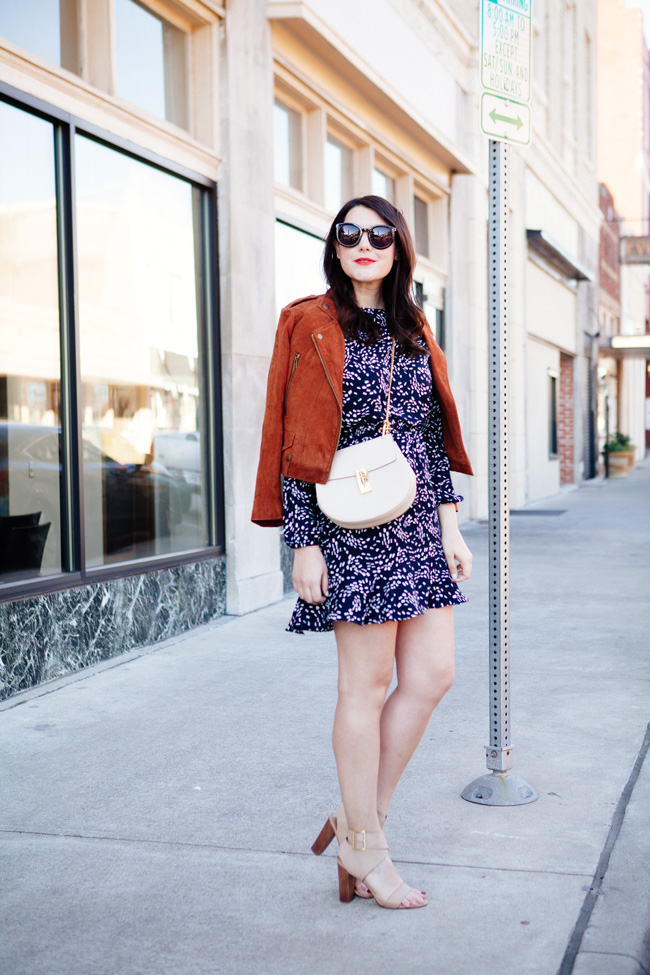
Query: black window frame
{"x": 74, "y": 572}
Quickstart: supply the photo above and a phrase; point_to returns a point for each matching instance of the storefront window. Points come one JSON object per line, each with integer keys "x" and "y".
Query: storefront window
{"x": 151, "y": 62}
{"x": 338, "y": 174}
{"x": 30, "y": 361}
{"x": 141, "y": 368}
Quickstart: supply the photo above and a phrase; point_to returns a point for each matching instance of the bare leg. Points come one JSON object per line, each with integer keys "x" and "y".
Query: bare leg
{"x": 425, "y": 670}
{"x": 366, "y": 658}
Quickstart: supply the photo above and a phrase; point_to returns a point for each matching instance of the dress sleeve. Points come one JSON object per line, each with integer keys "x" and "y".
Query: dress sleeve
{"x": 438, "y": 459}
{"x": 303, "y": 519}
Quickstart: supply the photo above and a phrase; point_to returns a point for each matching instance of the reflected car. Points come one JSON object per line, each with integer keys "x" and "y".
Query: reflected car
{"x": 140, "y": 501}
{"x": 180, "y": 453}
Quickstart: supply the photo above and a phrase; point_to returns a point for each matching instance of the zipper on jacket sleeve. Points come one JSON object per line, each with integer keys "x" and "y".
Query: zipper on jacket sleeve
{"x": 291, "y": 374}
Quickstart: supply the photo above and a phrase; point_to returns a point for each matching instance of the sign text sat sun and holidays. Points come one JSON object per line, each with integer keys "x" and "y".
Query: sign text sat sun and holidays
{"x": 506, "y": 70}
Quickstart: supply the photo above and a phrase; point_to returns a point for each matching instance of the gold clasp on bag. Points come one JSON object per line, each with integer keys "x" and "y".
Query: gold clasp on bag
{"x": 363, "y": 480}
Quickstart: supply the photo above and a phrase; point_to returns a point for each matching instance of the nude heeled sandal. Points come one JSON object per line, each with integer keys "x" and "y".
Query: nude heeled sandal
{"x": 329, "y": 831}
{"x": 334, "y": 824}
{"x": 360, "y": 854}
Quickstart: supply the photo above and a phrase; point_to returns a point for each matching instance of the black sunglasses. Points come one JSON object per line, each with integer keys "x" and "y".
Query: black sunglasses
{"x": 380, "y": 237}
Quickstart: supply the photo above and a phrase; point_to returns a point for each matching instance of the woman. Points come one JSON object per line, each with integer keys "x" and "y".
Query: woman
{"x": 387, "y": 592}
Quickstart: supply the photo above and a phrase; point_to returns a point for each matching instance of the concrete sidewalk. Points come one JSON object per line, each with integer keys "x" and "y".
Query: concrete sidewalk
{"x": 158, "y": 809}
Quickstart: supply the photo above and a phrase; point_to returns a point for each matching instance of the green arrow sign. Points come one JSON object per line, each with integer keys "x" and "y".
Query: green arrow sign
{"x": 505, "y": 118}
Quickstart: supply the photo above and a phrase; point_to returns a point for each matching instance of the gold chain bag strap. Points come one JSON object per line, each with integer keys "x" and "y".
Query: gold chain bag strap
{"x": 370, "y": 483}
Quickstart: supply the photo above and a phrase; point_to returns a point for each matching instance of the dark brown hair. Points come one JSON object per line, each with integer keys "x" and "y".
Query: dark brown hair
{"x": 404, "y": 318}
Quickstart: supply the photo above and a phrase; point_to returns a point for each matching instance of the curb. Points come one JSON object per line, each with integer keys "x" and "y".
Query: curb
{"x": 612, "y": 934}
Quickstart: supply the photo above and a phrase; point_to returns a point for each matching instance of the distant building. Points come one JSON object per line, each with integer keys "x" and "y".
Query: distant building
{"x": 624, "y": 167}
{"x": 609, "y": 317}
{"x": 561, "y": 219}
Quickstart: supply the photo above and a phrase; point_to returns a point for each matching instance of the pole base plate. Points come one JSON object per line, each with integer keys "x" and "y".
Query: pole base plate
{"x": 499, "y": 789}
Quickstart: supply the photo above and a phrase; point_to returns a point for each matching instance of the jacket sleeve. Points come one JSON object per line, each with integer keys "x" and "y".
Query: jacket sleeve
{"x": 452, "y": 437}
{"x": 438, "y": 459}
{"x": 267, "y": 505}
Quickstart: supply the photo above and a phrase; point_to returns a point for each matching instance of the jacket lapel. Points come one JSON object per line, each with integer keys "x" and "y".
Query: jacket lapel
{"x": 330, "y": 345}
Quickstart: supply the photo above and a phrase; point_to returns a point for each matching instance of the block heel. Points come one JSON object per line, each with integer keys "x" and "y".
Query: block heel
{"x": 325, "y": 837}
{"x": 346, "y": 884}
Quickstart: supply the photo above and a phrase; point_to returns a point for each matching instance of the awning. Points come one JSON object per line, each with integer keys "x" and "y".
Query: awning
{"x": 626, "y": 346}
{"x": 553, "y": 254}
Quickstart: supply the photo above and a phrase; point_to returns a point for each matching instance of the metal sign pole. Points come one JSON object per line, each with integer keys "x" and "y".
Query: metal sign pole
{"x": 499, "y": 787}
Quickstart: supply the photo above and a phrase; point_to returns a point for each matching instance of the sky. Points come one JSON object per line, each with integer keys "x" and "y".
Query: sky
{"x": 644, "y": 5}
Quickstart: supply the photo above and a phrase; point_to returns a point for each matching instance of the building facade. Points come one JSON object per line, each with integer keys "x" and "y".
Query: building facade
{"x": 624, "y": 166}
{"x": 609, "y": 318}
{"x": 561, "y": 223}
{"x": 173, "y": 166}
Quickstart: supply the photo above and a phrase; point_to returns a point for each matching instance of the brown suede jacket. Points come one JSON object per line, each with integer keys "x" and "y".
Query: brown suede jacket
{"x": 302, "y": 421}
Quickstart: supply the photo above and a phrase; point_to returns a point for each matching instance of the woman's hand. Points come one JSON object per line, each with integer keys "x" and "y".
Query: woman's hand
{"x": 310, "y": 574}
{"x": 456, "y": 552}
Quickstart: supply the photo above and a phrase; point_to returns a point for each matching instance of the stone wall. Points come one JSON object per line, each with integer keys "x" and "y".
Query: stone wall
{"x": 50, "y": 635}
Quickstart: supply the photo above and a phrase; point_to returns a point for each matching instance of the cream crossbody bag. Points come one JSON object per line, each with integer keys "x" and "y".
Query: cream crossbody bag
{"x": 369, "y": 483}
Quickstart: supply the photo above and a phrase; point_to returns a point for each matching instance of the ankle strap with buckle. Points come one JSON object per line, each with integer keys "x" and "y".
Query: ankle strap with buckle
{"x": 351, "y": 837}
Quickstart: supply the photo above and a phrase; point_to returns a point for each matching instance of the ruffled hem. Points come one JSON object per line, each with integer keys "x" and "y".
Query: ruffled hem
{"x": 307, "y": 618}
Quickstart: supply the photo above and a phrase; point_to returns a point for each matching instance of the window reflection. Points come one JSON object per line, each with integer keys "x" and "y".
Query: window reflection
{"x": 421, "y": 220}
{"x": 140, "y": 360}
{"x": 338, "y": 174}
{"x": 287, "y": 146}
{"x": 298, "y": 265}
{"x": 30, "y": 473}
{"x": 36, "y": 26}
{"x": 383, "y": 185}
{"x": 151, "y": 62}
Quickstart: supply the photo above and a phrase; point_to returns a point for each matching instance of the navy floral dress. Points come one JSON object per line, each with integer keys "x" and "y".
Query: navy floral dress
{"x": 395, "y": 571}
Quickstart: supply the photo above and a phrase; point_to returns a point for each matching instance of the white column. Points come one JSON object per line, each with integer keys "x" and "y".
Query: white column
{"x": 315, "y": 136}
{"x": 362, "y": 166}
{"x": 97, "y": 54}
{"x": 246, "y": 241}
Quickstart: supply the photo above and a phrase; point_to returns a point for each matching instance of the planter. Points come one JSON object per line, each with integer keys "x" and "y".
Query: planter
{"x": 631, "y": 454}
{"x": 619, "y": 463}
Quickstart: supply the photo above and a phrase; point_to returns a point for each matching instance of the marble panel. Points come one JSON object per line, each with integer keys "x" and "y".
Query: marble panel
{"x": 50, "y": 635}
